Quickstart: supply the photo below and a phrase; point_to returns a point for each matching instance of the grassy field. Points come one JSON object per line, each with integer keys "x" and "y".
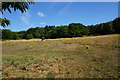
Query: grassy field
{"x": 81, "y": 57}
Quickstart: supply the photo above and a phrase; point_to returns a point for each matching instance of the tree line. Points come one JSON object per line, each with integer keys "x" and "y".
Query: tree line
{"x": 67, "y": 31}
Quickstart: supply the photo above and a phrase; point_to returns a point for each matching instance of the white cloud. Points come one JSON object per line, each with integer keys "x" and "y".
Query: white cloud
{"x": 42, "y": 23}
{"x": 40, "y": 14}
{"x": 24, "y": 19}
{"x": 64, "y": 9}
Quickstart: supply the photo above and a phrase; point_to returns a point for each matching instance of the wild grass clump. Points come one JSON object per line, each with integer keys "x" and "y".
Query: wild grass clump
{"x": 28, "y": 46}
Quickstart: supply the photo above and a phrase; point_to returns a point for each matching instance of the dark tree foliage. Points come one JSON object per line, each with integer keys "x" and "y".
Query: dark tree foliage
{"x": 21, "y": 6}
{"x": 77, "y": 30}
{"x": 8, "y": 34}
{"x": 111, "y": 27}
{"x": 4, "y": 22}
{"x": 116, "y": 25}
{"x": 22, "y": 34}
{"x": 15, "y": 36}
{"x": 30, "y": 31}
{"x": 92, "y": 29}
{"x": 72, "y": 30}
{"x": 62, "y": 31}
{"x": 29, "y": 36}
{"x": 108, "y": 28}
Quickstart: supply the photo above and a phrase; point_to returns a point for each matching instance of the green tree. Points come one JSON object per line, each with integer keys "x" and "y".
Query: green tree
{"x": 36, "y": 35}
{"x": 21, "y": 34}
{"x": 15, "y": 36}
{"x": 92, "y": 29}
{"x": 30, "y": 31}
{"x": 29, "y": 36}
{"x": 6, "y": 34}
{"x": 116, "y": 25}
{"x": 99, "y": 29}
{"x": 107, "y": 28}
{"x": 77, "y": 30}
{"x": 62, "y": 31}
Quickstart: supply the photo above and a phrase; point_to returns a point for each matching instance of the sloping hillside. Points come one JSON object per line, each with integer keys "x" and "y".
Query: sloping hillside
{"x": 80, "y": 57}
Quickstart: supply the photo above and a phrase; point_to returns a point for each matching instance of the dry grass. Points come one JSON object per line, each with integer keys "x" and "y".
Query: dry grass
{"x": 62, "y": 58}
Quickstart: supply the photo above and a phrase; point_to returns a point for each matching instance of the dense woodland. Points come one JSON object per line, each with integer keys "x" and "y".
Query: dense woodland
{"x": 71, "y": 30}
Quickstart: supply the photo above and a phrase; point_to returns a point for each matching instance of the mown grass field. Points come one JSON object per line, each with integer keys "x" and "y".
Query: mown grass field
{"x": 82, "y": 57}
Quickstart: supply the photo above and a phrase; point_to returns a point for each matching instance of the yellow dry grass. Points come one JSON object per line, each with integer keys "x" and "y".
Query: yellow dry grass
{"x": 85, "y": 37}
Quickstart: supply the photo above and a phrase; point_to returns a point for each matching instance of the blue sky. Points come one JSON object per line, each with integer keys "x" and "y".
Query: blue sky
{"x": 62, "y": 13}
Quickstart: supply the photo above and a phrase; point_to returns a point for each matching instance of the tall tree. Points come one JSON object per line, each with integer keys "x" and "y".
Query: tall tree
{"x": 7, "y": 34}
{"x": 116, "y": 25}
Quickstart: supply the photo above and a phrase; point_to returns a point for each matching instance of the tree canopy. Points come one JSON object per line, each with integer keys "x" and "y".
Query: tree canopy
{"x": 66, "y": 31}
